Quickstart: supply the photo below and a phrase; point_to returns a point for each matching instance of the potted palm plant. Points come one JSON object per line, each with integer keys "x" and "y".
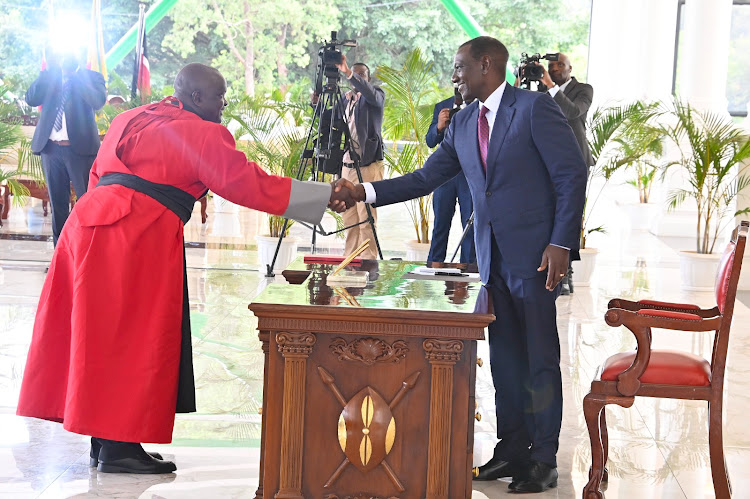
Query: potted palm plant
{"x": 606, "y": 128}
{"x": 712, "y": 150}
{"x": 408, "y": 114}
{"x": 643, "y": 145}
{"x": 16, "y": 160}
{"x": 268, "y": 136}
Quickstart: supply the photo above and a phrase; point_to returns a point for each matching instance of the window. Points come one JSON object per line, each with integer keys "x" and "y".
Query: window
{"x": 738, "y": 75}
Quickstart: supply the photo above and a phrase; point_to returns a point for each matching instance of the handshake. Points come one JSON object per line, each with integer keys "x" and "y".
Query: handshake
{"x": 344, "y": 195}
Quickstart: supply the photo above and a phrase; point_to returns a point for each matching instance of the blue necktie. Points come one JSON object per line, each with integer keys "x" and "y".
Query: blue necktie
{"x": 61, "y": 108}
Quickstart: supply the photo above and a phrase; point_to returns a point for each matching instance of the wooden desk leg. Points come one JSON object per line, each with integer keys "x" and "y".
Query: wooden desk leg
{"x": 442, "y": 355}
{"x": 264, "y": 337}
{"x": 204, "y": 207}
{"x": 296, "y": 348}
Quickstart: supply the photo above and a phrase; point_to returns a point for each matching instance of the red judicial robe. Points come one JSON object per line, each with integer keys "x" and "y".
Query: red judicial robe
{"x": 105, "y": 350}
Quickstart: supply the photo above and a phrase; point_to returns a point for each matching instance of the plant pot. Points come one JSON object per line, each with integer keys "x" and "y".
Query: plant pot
{"x": 698, "y": 271}
{"x": 416, "y": 251}
{"x": 221, "y": 205}
{"x": 583, "y": 269}
{"x": 267, "y": 248}
{"x": 641, "y": 215}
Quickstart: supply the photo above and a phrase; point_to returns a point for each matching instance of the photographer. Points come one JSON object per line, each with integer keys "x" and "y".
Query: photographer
{"x": 362, "y": 110}
{"x": 574, "y": 99}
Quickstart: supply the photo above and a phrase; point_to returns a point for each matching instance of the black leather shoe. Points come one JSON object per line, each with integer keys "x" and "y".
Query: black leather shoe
{"x": 126, "y": 457}
{"x": 497, "y": 468}
{"x": 538, "y": 477}
{"x": 96, "y": 447}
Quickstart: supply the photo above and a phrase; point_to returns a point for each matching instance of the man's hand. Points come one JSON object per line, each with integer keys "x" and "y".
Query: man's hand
{"x": 555, "y": 259}
{"x": 314, "y": 98}
{"x": 344, "y": 195}
{"x": 444, "y": 119}
{"x": 344, "y": 67}
{"x": 546, "y": 78}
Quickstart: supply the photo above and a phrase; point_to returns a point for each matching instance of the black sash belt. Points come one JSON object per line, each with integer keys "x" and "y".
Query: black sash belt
{"x": 176, "y": 200}
{"x": 181, "y": 203}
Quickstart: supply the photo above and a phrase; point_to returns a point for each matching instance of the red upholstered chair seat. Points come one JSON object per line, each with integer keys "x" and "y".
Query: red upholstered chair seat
{"x": 669, "y": 314}
{"x": 667, "y": 367}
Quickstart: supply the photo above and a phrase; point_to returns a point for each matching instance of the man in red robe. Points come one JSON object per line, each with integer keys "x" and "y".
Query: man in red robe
{"x": 110, "y": 352}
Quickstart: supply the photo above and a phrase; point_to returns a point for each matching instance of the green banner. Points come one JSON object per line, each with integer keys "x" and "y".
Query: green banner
{"x": 471, "y": 27}
{"x": 126, "y": 44}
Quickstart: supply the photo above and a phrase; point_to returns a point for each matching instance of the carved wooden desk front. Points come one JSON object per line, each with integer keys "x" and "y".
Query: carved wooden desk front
{"x": 368, "y": 392}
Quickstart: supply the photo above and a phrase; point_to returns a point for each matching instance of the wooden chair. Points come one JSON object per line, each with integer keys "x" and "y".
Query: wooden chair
{"x": 667, "y": 373}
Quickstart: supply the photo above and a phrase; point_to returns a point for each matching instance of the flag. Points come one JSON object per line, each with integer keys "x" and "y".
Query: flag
{"x": 144, "y": 75}
{"x": 141, "y": 71}
{"x": 96, "y": 59}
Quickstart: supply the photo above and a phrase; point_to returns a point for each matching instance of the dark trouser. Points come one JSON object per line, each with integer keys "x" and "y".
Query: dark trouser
{"x": 443, "y": 207}
{"x": 61, "y": 167}
{"x": 525, "y": 360}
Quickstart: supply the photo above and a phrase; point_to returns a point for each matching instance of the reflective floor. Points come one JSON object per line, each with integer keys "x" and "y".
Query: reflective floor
{"x": 658, "y": 448}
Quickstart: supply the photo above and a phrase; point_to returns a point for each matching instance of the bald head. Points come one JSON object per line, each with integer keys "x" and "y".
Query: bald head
{"x": 201, "y": 90}
{"x": 560, "y": 69}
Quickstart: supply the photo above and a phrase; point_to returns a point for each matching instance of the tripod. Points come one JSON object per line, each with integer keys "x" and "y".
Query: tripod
{"x": 325, "y": 134}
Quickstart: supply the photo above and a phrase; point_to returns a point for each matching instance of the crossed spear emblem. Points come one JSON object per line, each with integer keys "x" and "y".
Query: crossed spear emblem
{"x": 375, "y": 417}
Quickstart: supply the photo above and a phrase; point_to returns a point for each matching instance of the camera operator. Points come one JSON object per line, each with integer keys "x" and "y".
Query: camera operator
{"x": 362, "y": 110}
{"x": 574, "y": 99}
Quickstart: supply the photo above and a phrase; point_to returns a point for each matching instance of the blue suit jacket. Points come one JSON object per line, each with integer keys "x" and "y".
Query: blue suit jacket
{"x": 534, "y": 189}
{"x": 87, "y": 94}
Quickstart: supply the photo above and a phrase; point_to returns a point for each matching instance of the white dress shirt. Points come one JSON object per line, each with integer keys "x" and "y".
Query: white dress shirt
{"x": 552, "y": 91}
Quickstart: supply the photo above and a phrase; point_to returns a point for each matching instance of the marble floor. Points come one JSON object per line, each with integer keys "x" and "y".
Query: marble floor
{"x": 658, "y": 448}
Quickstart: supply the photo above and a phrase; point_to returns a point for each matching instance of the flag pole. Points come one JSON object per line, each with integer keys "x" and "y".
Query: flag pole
{"x": 138, "y": 51}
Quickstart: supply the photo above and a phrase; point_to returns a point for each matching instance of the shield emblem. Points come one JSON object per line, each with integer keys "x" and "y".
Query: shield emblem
{"x": 366, "y": 429}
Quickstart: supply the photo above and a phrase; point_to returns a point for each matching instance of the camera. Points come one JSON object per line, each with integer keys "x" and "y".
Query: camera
{"x": 529, "y": 68}
{"x": 329, "y": 56}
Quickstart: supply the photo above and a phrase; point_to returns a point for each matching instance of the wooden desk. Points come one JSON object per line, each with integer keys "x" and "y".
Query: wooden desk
{"x": 368, "y": 392}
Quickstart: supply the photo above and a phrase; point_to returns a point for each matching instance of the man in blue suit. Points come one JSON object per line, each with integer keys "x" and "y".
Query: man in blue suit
{"x": 527, "y": 178}
{"x": 66, "y": 136}
{"x": 444, "y": 197}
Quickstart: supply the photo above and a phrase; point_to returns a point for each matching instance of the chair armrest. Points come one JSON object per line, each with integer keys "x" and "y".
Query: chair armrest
{"x": 662, "y": 319}
{"x": 662, "y": 305}
{"x": 640, "y": 323}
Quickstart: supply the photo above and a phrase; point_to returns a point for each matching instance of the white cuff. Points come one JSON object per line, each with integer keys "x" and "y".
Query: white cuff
{"x": 563, "y": 247}
{"x": 552, "y": 91}
{"x": 370, "y": 196}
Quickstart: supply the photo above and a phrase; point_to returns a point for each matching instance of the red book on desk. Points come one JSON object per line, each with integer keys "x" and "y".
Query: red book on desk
{"x": 330, "y": 259}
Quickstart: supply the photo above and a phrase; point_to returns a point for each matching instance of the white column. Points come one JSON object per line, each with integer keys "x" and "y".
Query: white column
{"x": 631, "y": 49}
{"x": 705, "y": 53}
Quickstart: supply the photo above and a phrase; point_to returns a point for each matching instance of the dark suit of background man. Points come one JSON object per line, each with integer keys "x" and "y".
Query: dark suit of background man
{"x": 444, "y": 197}
{"x": 528, "y": 179}
{"x": 362, "y": 110}
{"x": 574, "y": 99}
{"x": 66, "y": 136}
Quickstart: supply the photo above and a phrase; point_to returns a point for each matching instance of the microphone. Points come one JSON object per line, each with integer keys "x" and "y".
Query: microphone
{"x": 458, "y": 101}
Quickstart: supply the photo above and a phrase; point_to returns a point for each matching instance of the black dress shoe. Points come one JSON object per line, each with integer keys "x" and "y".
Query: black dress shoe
{"x": 96, "y": 447}
{"x": 127, "y": 457}
{"x": 498, "y": 468}
{"x": 538, "y": 477}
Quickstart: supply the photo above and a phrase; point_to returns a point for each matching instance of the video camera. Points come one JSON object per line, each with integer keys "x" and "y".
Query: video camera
{"x": 329, "y": 56}
{"x": 529, "y": 68}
